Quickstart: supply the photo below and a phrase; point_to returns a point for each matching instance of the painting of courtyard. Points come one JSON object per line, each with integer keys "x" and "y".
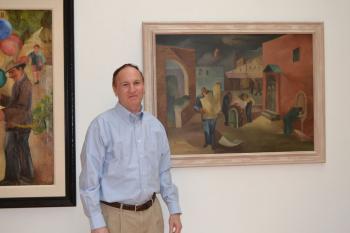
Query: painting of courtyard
{"x": 237, "y": 93}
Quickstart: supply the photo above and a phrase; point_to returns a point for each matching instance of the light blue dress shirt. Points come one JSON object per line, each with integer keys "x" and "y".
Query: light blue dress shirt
{"x": 125, "y": 158}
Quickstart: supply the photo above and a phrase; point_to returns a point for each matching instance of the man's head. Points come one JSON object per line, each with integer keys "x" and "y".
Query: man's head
{"x": 16, "y": 69}
{"x": 204, "y": 91}
{"x": 36, "y": 48}
{"x": 128, "y": 86}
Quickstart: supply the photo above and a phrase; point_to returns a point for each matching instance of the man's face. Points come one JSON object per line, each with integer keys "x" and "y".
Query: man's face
{"x": 15, "y": 73}
{"x": 129, "y": 88}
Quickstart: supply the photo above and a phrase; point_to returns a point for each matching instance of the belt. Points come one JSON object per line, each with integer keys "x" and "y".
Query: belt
{"x": 141, "y": 207}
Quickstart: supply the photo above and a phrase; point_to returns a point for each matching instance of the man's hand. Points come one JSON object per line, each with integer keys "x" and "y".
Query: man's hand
{"x": 100, "y": 230}
{"x": 175, "y": 225}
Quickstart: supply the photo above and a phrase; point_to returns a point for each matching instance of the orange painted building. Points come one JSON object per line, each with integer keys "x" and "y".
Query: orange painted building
{"x": 288, "y": 78}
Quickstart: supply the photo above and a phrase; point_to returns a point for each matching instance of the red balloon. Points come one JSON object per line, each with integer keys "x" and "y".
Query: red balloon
{"x": 11, "y": 45}
{"x": 18, "y": 40}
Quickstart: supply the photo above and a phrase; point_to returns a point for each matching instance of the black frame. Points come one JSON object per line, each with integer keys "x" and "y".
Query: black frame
{"x": 69, "y": 106}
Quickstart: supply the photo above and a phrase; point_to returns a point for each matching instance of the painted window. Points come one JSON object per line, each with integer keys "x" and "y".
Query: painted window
{"x": 296, "y": 55}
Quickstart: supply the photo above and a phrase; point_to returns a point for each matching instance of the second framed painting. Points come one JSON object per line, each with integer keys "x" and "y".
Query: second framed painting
{"x": 237, "y": 93}
{"x": 37, "y": 130}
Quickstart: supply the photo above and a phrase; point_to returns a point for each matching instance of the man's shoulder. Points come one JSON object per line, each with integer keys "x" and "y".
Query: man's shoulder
{"x": 150, "y": 118}
{"x": 24, "y": 82}
{"x": 104, "y": 116}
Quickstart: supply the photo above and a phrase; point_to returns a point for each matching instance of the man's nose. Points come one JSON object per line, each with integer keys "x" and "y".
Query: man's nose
{"x": 132, "y": 88}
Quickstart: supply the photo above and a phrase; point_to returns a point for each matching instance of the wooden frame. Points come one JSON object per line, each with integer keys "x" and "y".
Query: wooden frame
{"x": 62, "y": 192}
{"x": 162, "y": 49}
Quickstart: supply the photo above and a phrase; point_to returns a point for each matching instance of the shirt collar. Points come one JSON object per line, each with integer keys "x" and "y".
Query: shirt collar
{"x": 127, "y": 115}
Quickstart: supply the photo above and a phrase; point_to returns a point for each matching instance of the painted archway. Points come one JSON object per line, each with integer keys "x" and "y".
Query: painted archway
{"x": 175, "y": 78}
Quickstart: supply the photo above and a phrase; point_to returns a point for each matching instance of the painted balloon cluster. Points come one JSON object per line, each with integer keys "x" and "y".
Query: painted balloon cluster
{"x": 10, "y": 43}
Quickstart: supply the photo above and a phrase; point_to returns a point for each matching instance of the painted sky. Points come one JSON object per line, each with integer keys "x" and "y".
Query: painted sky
{"x": 218, "y": 50}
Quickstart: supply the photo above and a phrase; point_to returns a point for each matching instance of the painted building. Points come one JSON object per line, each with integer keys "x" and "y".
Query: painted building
{"x": 288, "y": 79}
{"x": 245, "y": 72}
{"x": 208, "y": 76}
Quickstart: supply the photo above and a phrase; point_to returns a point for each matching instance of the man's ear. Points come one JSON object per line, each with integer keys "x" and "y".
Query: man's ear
{"x": 115, "y": 90}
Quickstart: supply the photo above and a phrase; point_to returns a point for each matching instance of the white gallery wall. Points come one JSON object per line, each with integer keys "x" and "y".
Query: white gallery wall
{"x": 304, "y": 198}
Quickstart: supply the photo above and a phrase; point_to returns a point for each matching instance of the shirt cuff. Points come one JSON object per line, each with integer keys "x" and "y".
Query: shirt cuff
{"x": 174, "y": 209}
{"x": 97, "y": 221}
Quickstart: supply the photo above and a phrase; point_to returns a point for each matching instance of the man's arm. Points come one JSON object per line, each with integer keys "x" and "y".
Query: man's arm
{"x": 4, "y": 100}
{"x": 17, "y": 110}
{"x": 167, "y": 189}
{"x": 92, "y": 157}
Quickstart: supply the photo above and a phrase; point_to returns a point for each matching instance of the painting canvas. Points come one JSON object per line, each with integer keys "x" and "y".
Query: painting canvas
{"x": 225, "y": 95}
{"x": 31, "y": 41}
{"x": 37, "y": 128}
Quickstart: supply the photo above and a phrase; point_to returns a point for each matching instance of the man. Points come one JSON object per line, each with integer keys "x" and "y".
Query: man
{"x": 18, "y": 117}
{"x": 288, "y": 120}
{"x": 249, "y": 102}
{"x": 226, "y": 104}
{"x": 125, "y": 161}
{"x": 208, "y": 105}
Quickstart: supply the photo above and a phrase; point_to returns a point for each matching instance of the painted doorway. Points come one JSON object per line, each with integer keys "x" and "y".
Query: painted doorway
{"x": 271, "y": 93}
{"x": 176, "y": 88}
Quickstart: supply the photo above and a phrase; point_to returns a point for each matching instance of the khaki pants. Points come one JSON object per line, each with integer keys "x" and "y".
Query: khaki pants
{"x": 128, "y": 221}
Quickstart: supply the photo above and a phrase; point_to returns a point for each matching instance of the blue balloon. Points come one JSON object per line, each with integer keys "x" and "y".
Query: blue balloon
{"x": 5, "y": 29}
{"x": 3, "y": 78}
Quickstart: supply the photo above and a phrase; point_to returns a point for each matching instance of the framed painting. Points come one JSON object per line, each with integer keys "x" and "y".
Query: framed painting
{"x": 37, "y": 129}
{"x": 237, "y": 93}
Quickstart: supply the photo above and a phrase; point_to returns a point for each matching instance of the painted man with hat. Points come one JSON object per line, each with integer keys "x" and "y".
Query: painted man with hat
{"x": 17, "y": 113}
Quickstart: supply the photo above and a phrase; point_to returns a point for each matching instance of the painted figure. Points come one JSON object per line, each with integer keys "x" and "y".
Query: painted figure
{"x": 225, "y": 108}
{"x": 249, "y": 102}
{"x": 18, "y": 117}
{"x": 38, "y": 61}
{"x": 208, "y": 104}
{"x": 289, "y": 119}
